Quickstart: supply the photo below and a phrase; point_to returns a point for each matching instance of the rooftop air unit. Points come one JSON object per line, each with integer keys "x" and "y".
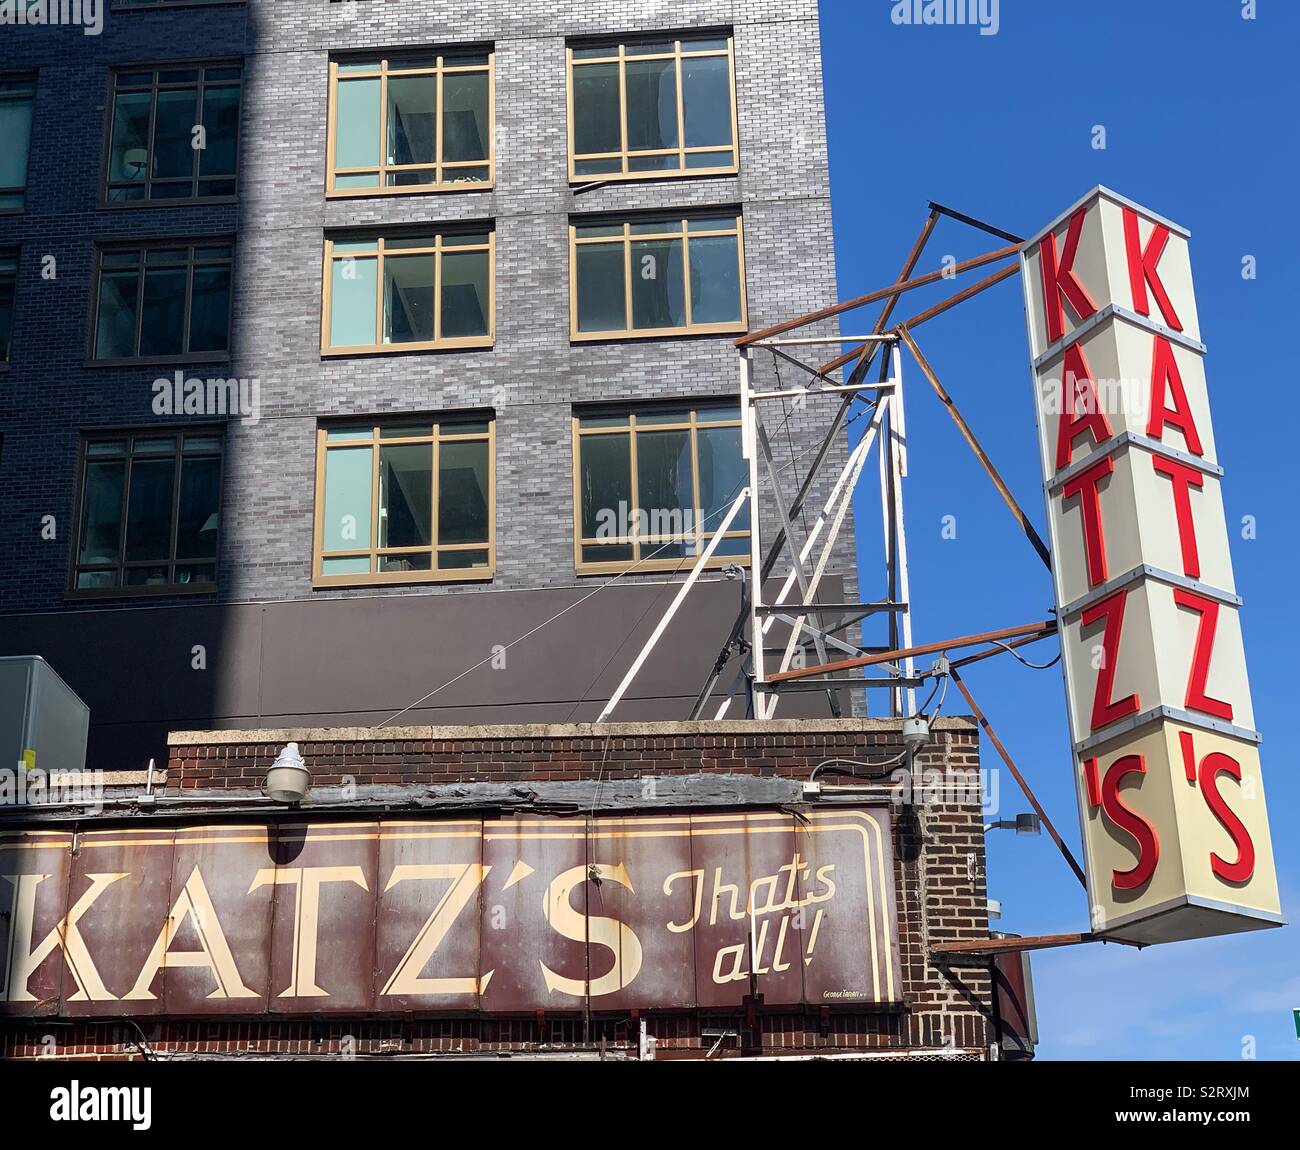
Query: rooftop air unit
{"x": 43, "y": 724}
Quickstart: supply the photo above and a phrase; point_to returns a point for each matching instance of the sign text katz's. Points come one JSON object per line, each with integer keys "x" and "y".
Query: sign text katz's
{"x": 1167, "y": 768}
{"x": 510, "y": 915}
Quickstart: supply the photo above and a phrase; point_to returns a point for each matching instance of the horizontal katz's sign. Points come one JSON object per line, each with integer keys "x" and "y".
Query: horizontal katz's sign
{"x": 1175, "y": 831}
{"x": 506, "y": 916}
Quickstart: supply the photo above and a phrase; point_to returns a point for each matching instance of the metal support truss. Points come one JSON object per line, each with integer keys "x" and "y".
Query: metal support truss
{"x": 794, "y": 603}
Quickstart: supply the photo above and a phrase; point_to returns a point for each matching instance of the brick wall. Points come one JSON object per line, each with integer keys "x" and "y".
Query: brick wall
{"x": 938, "y": 875}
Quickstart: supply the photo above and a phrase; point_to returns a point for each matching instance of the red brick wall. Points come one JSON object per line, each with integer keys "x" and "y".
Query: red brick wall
{"x": 939, "y": 888}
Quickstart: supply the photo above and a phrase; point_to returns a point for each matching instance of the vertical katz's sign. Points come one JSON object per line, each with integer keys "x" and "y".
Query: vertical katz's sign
{"x": 1165, "y": 749}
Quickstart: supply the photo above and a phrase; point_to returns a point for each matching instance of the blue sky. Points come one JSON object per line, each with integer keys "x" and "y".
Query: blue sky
{"x": 1197, "y": 105}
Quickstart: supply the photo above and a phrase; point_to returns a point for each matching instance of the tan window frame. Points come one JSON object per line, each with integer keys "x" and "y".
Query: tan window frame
{"x": 377, "y": 252}
{"x": 444, "y": 431}
{"x": 646, "y": 545}
{"x": 618, "y": 54}
{"x": 675, "y": 229}
{"x": 392, "y": 66}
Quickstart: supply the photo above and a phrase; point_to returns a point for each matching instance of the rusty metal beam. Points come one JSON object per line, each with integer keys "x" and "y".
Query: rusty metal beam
{"x": 1028, "y": 942}
{"x": 1020, "y": 779}
{"x": 1010, "y": 500}
{"x": 999, "y": 649}
{"x": 1044, "y": 625}
{"x": 960, "y": 297}
{"x": 879, "y": 294}
{"x": 921, "y": 317}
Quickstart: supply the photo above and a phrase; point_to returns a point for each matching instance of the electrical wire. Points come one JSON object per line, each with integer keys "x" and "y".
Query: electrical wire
{"x": 1026, "y": 662}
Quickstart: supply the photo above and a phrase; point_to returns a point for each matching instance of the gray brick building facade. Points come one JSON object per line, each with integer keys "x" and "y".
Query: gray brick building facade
{"x": 266, "y": 649}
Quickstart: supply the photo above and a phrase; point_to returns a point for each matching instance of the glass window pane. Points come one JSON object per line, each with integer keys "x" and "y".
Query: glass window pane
{"x": 341, "y": 433}
{"x": 101, "y": 513}
{"x": 723, "y": 472}
{"x": 665, "y": 483}
{"x": 197, "y": 518}
{"x": 722, "y": 413}
{"x": 406, "y": 496}
{"x": 651, "y": 104}
{"x": 462, "y": 560}
{"x": 604, "y": 485}
{"x": 363, "y": 180}
{"x": 466, "y": 307}
{"x": 15, "y": 131}
{"x": 115, "y": 321}
{"x": 706, "y": 93}
{"x": 710, "y": 159}
{"x": 665, "y": 163}
{"x": 128, "y": 155}
{"x": 715, "y": 280}
{"x": 173, "y": 133}
{"x": 607, "y": 553}
{"x": 414, "y": 561}
{"x": 658, "y": 290}
{"x": 601, "y": 298}
{"x": 463, "y": 495}
{"x": 358, "y": 565}
{"x": 346, "y": 517}
{"x": 596, "y": 109}
{"x": 597, "y": 167}
{"x": 149, "y": 509}
{"x": 356, "y": 130}
{"x": 353, "y": 285}
{"x": 96, "y": 580}
{"x": 412, "y": 120}
{"x": 649, "y": 48}
{"x": 154, "y": 446}
{"x": 465, "y": 118}
{"x": 210, "y": 309}
{"x": 221, "y": 124}
{"x": 652, "y": 416}
{"x": 408, "y": 299}
{"x": 162, "y": 321}
{"x": 196, "y": 573}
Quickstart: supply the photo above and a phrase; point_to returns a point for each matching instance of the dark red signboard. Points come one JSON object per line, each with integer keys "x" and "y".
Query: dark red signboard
{"x": 504, "y": 916}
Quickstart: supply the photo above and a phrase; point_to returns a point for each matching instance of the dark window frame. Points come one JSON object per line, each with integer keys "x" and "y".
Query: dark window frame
{"x": 156, "y": 67}
{"x": 155, "y": 5}
{"x": 179, "y": 432}
{"x": 144, "y": 246}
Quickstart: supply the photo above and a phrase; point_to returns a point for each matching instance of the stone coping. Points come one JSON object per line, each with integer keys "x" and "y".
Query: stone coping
{"x": 748, "y": 727}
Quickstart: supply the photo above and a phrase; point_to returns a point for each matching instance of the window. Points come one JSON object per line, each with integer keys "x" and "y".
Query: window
{"x": 409, "y": 292}
{"x": 120, "y": 4}
{"x": 149, "y": 514}
{"x": 163, "y": 302}
{"x": 653, "y": 277}
{"x": 411, "y": 123}
{"x": 652, "y": 108}
{"x": 16, "y": 96}
{"x": 652, "y": 484}
{"x": 8, "y": 289}
{"x": 155, "y": 149}
{"x": 405, "y": 502}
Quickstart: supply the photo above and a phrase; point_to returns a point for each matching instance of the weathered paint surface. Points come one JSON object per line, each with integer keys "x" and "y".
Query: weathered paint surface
{"x": 505, "y": 916}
